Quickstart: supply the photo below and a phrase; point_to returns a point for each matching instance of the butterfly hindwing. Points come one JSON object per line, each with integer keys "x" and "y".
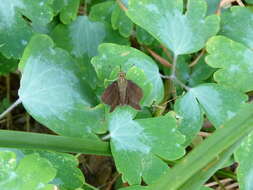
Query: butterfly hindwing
{"x": 133, "y": 94}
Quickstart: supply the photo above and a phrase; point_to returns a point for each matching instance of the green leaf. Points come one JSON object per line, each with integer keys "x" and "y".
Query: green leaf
{"x": 204, "y": 156}
{"x": 243, "y": 156}
{"x": 121, "y": 22}
{"x": 69, "y": 12}
{"x": 80, "y": 37}
{"x": 235, "y": 72}
{"x": 237, "y": 24}
{"x": 165, "y": 20}
{"x": 83, "y": 36}
{"x": 136, "y": 145}
{"x": 191, "y": 116}
{"x": 15, "y": 31}
{"x": 7, "y": 65}
{"x": 112, "y": 55}
{"x": 219, "y": 103}
{"x": 102, "y": 11}
{"x": 68, "y": 175}
{"x": 31, "y": 172}
{"x": 53, "y": 92}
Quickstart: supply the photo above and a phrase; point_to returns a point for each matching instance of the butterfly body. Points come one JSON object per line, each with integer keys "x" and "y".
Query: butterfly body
{"x": 122, "y": 92}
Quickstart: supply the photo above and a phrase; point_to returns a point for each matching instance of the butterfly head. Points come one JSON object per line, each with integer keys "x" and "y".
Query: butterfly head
{"x": 122, "y": 75}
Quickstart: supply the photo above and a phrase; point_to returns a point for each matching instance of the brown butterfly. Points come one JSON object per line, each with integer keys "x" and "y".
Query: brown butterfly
{"x": 122, "y": 92}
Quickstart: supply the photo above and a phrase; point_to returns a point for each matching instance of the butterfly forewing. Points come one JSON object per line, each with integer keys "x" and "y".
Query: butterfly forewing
{"x": 111, "y": 95}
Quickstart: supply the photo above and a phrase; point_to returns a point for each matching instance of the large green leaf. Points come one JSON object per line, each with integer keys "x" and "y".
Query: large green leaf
{"x": 244, "y": 157}
{"x": 53, "y": 92}
{"x": 112, "y": 56}
{"x": 15, "y": 31}
{"x": 234, "y": 61}
{"x": 138, "y": 145}
{"x": 31, "y": 172}
{"x": 218, "y": 103}
{"x": 165, "y": 20}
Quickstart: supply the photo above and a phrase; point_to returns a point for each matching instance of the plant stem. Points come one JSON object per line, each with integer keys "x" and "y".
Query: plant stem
{"x": 174, "y": 66}
{"x": 159, "y": 58}
{"x": 197, "y": 58}
{"x": 106, "y": 137}
{"x": 228, "y": 174}
{"x": 181, "y": 84}
{"x": 18, "y": 101}
{"x": 121, "y": 5}
{"x": 38, "y": 141}
{"x": 173, "y": 78}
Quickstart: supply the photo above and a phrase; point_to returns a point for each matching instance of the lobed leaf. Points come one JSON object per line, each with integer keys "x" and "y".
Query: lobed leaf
{"x": 15, "y": 30}
{"x": 165, "y": 20}
{"x": 31, "y": 172}
{"x": 54, "y": 93}
{"x": 234, "y": 61}
{"x": 138, "y": 145}
{"x": 113, "y": 56}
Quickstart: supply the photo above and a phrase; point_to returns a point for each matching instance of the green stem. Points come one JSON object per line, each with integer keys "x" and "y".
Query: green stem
{"x": 26, "y": 140}
{"x": 18, "y": 101}
{"x": 174, "y": 66}
{"x": 173, "y": 75}
{"x": 202, "y": 156}
{"x": 226, "y": 174}
{"x": 175, "y": 79}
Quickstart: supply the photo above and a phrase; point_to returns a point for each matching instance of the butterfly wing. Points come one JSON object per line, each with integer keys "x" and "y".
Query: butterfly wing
{"x": 134, "y": 95}
{"x": 111, "y": 95}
